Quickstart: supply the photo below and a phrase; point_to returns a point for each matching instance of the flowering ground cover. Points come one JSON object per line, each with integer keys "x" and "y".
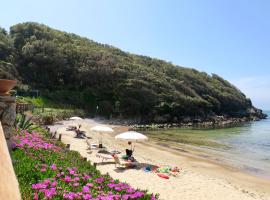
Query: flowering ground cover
{"x": 46, "y": 171}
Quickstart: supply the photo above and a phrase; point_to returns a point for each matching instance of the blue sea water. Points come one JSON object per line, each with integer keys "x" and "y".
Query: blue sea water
{"x": 246, "y": 147}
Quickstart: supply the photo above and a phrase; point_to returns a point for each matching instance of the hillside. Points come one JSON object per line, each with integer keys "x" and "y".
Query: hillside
{"x": 74, "y": 70}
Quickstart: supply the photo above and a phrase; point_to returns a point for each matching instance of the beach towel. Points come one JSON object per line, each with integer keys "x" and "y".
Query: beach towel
{"x": 163, "y": 176}
{"x": 147, "y": 169}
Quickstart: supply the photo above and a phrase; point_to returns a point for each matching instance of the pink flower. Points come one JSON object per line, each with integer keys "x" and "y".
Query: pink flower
{"x": 47, "y": 181}
{"x": 70, "y": 196}
{"x": 85, "y": 189}
{"x": 54, "y": 184}
{"x": 86, "y": 177}
{"x": 43, "y": 170}
{"x": 153, "y": 197}
{"x": 53, "y": 167}
{"x": 87, "y": 196}
{"x": 49, "y": 193}
{"x": 67, "y": 179}
{"x": 76, "y": 179}
{"x": 89, "y": 184}
{"x": 100, "y": 180}
{"x": 39, "y": 186}
{"x": 35, "y": 196}
{"x": 71, "y": 171}
{"x": 75, "y": 184}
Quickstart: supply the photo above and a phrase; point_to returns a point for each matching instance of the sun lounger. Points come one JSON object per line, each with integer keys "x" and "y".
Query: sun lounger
{"x": 91, "y": 146}
{"x": 71, "y": 128}
{"x": 104, "y": 151}
{"x": 115, "y": 152}
{"x": 104, "y": 157}
{"x": 124, "y": 164}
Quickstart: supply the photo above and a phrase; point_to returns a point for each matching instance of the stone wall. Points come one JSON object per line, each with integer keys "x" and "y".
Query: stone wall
{"x": 9, "y": 187}
{"x": 7, "y": 114}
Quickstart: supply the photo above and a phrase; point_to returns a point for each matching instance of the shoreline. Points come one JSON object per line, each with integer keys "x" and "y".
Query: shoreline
{"x": 215, "y": 122}
{"x": 199, "y": 173}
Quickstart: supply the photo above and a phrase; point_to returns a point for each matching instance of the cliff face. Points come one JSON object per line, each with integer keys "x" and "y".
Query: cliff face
{"x": 75, "y": 70}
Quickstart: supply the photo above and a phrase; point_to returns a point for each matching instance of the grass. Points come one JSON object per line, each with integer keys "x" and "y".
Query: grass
{"x": 45, "y": 111}
{"x": 38, "y": 101}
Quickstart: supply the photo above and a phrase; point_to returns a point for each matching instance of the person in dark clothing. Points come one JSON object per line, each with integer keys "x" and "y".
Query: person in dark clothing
{"x": 129, "y": 152}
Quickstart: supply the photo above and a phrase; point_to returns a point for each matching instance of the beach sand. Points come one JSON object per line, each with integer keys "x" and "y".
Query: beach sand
{"x": 199, "y": 178}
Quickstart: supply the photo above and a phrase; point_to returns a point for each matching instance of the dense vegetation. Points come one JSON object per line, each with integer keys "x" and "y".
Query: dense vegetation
{"x": 74, "y": 70}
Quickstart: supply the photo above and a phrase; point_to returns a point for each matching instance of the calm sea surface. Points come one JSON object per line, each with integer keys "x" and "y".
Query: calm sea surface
{"x": 246, "y": 147}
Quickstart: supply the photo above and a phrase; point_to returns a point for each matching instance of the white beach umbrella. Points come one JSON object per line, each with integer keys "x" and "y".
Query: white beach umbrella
{"x": 101, "y": 129}
{"x": 75, "y": 118}
{"x": 131, "y": 136}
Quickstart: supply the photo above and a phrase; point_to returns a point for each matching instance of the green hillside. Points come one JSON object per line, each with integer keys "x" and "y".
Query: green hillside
{"x": 71, "y": 69}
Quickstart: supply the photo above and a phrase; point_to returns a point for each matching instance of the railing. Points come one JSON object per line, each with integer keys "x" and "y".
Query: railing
{"x": 9, "y": 187}
{"x": 22, "y": 107}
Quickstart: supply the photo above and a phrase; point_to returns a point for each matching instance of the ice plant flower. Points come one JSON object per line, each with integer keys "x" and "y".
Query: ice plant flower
{"x": 35, "y": 196}
{"x": 75, "y": 184}
{"x": 43, "y": 169}
{"x": 76, "y": 179}
{"x": 67, "y": 179}
{"x": 54, "y": 184}
{"x": 87, "y": 196}
{"x": 53, "y": 167}
{"x": 85, "y": 189}
{"x": 100, "y": 180}
{"x": 89, "y": 184}
{"x": 39, "y": 186}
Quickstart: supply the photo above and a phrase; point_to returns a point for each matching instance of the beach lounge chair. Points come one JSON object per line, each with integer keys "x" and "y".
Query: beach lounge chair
{"x": 91, "y": 146}
{"x": 71, "y": 128}
{"x": 118, "y": 163}
{"x": 104, "y": 157}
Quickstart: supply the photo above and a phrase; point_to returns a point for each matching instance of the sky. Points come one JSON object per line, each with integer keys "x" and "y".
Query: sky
{"x": 230, "y": 38}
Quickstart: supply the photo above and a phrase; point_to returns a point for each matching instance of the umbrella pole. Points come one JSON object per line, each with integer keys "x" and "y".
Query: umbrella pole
{"x": 100, "y": 141}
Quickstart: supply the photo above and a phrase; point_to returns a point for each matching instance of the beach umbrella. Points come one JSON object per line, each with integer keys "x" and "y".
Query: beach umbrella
{"x": 131, "y": 136}
{"x": 75, "y": 118}
{"x": 101, "y": 129}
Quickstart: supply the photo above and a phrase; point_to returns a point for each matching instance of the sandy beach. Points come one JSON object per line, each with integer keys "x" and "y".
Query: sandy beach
{"x": 199, "y": 178}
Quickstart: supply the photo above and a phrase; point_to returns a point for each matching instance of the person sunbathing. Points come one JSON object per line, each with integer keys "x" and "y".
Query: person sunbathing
{"x": 79, "y": 133}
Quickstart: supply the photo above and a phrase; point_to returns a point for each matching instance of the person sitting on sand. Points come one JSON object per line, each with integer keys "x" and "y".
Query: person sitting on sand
{"x": 129, "y": 152}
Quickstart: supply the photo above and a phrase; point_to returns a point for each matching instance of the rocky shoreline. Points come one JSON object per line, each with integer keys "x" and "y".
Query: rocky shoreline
{"x": 253, "y": 114}
{"x": 219, "y": 121}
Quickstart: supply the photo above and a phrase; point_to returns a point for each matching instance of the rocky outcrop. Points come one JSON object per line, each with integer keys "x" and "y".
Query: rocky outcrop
{"x": 256, "y": 113}
{"x": 251, "y": 114}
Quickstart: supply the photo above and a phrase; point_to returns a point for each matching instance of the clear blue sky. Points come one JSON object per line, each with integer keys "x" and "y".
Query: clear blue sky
{"x": 227, "y": 37}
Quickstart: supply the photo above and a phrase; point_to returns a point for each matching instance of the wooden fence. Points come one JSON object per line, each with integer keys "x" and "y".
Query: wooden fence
{"x": 9, "y": 187}
{"x": 22, "y": 107}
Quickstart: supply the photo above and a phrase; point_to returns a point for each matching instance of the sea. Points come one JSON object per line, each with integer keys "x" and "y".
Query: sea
{"x": 246, "y": 147}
